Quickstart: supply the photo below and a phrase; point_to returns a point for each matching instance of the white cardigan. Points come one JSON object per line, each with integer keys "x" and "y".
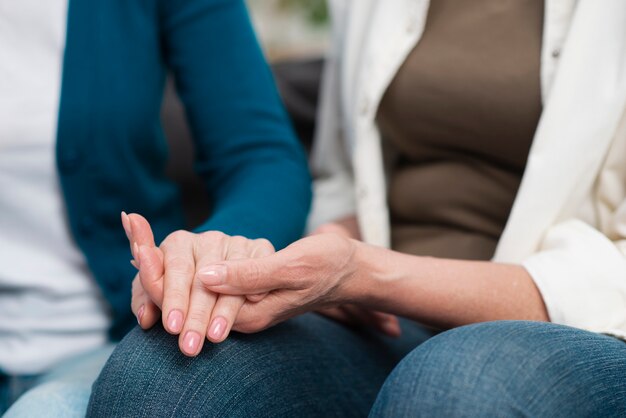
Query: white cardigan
{"x": 567, "y": 226}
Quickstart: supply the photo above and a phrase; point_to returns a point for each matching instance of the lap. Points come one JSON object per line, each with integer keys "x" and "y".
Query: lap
{"x": 509, "y": 368}
{"x": 309, "y": 366}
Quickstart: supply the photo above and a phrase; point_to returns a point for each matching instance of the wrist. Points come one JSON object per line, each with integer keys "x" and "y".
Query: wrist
{"x": 367, "y": 272}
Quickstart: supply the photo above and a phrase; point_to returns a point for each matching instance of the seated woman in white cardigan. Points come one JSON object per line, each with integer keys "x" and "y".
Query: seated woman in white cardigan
{"x": 484, "y": 142}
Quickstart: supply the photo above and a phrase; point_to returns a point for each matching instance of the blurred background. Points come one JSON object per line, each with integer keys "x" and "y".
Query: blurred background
{"x": 291, "y": 29}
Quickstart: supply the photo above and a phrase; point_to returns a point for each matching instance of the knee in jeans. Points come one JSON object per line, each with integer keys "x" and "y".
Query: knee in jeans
{"x": 147, "y": 374}
{"x": 484, "y": 369}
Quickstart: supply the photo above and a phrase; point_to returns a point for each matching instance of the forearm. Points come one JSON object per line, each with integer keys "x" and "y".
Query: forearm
{"x": 443, "y": 293}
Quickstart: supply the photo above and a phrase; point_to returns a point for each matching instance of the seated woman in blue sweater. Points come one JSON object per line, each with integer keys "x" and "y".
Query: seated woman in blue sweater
{"x": 81, "y": 84}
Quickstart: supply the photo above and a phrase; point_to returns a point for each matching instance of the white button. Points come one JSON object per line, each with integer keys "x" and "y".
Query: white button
{"x": 556, "y": 53}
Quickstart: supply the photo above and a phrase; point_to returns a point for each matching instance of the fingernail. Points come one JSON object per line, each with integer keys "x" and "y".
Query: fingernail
{"x": 134, "y": 264}
{"x": 126, "y": 225}
{"x": 191, "y": 342}
{"x": 213, "y": 275}
{"x": 140, "y": 313}
{"x": 218, "y": 326}
{"x": 175, "y": 321}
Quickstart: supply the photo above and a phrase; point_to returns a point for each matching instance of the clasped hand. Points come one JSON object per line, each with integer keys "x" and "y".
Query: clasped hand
{"x": 204, "y": 285}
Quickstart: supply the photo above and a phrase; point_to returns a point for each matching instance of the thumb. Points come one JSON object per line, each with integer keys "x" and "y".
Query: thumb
{"x": 141, "y": 232}
{"x": 151, "y": 272}
{"x": 247, "y": 276}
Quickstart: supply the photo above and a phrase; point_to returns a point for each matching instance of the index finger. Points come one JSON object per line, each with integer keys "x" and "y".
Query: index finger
{"x": 248, "y": 277}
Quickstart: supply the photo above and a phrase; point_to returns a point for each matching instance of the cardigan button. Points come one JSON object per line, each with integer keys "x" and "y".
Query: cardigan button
{"x": 69, "y": 161}
{"x": 556, "y": 53}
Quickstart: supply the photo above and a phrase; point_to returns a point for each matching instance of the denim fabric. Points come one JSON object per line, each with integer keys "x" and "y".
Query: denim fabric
{"x": 62, "y": 392}
{"x": 307, "y": 367}
{"x": 312, "y": 367}
{"x": 509, "y": 369}
{"x": 12, "y": 387}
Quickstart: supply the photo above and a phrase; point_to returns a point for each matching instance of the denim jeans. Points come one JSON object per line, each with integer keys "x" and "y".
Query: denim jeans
{"x": 307, "y": 366}
{"x": 509, "y": 368}
{"x": 61, "y": 392}
{"x": 313, "y": 367}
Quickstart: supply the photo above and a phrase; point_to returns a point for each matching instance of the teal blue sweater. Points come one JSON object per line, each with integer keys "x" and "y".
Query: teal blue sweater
{"x": 111, "y": 152}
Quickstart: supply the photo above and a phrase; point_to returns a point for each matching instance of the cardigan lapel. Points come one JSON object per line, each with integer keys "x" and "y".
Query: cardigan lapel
{"x": 576, "y": 128}
{"x": 377, "y": 55}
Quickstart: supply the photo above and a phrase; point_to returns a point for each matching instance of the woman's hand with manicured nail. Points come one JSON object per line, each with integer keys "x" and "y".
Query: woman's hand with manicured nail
{"x": 169, "y": 276}
{"x": 316, "y": 273}
{"x": 142, "y": 303}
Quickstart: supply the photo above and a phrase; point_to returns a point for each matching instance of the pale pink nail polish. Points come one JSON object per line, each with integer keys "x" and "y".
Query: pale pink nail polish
{"x": 218, "y": 327}
{"x": 191, "y": 342}
{"x": 175, "y": 321}
{"x": 213, "y": 275}
{"x": 126, "y": 225}
{"x": 140, "y": 313}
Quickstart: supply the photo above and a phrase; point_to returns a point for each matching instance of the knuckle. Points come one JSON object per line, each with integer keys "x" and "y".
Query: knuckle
{"x": 239, "y": 241}
{"x": 176, "y": 238}
{"x": 252, "y": 275}
{"x": 238, "y": 247}
{"x": 197, "y": 285}
{"x": 264, "y": 244}
{"x": 212, "y": 236}
{"x": 198, "y": 316}
{"x": 176, "y": 296}
{"x": 180, "y": 264}
{"x": 147, "y": 282}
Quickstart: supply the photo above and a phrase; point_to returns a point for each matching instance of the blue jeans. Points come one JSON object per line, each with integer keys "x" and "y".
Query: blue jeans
{"x": 62, "y": 392}
{"x": 313, "y": 367}
{"x": 509, "y": 368}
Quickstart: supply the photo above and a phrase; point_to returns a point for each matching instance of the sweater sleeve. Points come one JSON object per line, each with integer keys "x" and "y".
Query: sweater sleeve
{"x": 253, "y": 166}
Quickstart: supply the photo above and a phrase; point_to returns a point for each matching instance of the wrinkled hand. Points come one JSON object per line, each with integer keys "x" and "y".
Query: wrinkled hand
{"x": 169, "y": 281}
{"x": 317, "y": 272}
{"x": 351, "y": 314}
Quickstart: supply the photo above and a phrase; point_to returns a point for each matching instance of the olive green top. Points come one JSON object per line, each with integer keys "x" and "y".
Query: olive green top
{"x": 460, "y": 116}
